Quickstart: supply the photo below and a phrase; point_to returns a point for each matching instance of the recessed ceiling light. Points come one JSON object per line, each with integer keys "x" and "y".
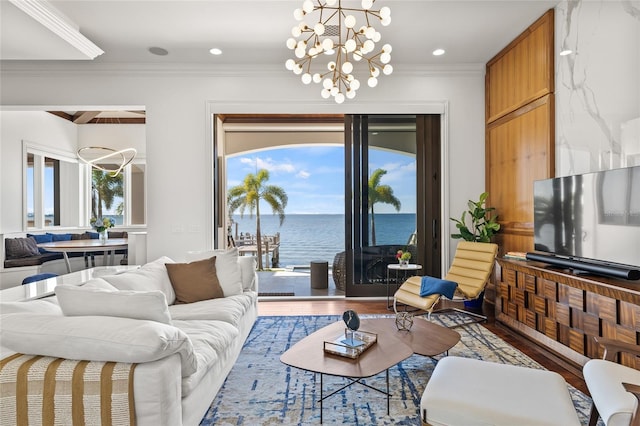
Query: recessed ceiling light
{"x": 159, "y": 51}
{"x": 215, "y": 51}
{"x": 566, "y": 52}
{"x": 438, "y": 52}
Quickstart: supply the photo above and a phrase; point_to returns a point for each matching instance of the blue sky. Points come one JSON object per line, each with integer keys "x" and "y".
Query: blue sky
{"x": 313, "y": 176}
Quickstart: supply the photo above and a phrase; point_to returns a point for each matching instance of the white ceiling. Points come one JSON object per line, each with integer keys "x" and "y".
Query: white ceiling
{"x": 254, "y": 32}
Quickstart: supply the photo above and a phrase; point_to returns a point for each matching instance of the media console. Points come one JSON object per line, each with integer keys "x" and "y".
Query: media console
{"x": 604, "y": 269}
{"x": 563, "y": 312}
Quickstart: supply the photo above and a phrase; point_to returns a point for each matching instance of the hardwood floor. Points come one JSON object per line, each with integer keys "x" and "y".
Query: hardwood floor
{"x": 337, "y": 307}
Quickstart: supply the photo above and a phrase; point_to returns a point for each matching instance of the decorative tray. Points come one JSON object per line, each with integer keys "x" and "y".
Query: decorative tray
{"x": 351, "y": 344}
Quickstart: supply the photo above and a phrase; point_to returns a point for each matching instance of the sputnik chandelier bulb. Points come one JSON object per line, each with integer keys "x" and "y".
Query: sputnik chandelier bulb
{"x": 343, "y": 34}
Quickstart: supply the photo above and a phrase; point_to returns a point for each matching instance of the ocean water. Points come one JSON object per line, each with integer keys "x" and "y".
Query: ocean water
{"x": 318, "y": 237}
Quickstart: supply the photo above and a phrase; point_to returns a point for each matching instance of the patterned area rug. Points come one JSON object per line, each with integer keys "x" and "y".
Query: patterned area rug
{"x": 260, "y": 390}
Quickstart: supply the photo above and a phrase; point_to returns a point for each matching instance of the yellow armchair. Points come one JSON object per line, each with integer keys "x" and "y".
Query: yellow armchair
{"x": 471, "y": 269}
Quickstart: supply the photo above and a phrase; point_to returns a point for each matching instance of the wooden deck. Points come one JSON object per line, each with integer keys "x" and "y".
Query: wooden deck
{"x": 270, "y": 248}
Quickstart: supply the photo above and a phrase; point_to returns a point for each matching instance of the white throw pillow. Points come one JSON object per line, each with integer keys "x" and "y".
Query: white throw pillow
{"x": 227, "y": 268}
{"x": 248, "y": 271}
{"x": 141, "y": 305}
{"x": 96, "y": 338}
{"x": 99, "y": 283}
{"x": 149, "y": 277}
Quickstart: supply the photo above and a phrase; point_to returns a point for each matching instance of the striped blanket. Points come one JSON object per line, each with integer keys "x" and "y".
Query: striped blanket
{"x": 46, "y": 391}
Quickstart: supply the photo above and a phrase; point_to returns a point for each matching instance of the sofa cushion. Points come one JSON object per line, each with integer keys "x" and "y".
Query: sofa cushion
{"x": 142, "y": 305}
{"x": 38, "y": 259}
{"x": 96, "y": 338}
{"x": 42, "y": 306}
{"x": 212, "y": 342}
{"x": 99, "y": 283}
{"x": 40, "y": 239}
{"x": 248, "y": 272}
{"x": 117, "y": 234}
{"x": 60, "y": 237}
{"x": 149, "y": 277}
{"x": 195, "y": 281}
{"x": 229, "y": 309}
{"x": 17, "y": 248}
{"x": 227, "y": 268}
{"x": 83, "y": 236}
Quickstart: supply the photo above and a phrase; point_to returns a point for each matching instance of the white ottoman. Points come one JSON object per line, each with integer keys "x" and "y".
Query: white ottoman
{"x": 464, "y": 391}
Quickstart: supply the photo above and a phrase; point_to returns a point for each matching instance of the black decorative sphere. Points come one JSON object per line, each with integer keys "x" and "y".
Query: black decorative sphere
{"x": 351, "y": 319}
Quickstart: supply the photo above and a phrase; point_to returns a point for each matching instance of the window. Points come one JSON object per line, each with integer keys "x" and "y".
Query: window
{"x": 122, "y": 197}
{"x": 60, "y": 191}
{"x": 51, "y": 188}
{"x": 51, "y": 192}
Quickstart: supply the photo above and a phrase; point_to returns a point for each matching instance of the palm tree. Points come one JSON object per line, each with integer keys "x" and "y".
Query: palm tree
{"x": 248, "y": 195}
{"x": 104, "y": 189}
{"x": 379, "y": 194}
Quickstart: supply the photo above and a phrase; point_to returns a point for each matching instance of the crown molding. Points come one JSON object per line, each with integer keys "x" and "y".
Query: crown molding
{"x": 54, "y": 20}
{"x": 49, "y": 68}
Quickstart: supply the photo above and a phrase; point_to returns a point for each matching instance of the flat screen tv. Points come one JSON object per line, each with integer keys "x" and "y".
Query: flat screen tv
{"x": 590, "y": 222}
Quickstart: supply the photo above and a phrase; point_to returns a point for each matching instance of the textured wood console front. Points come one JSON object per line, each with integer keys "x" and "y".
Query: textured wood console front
{"x": 564, "y": 312}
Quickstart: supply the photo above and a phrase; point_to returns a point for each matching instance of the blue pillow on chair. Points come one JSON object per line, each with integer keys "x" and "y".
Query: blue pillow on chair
{"x": 38, "y": 277}
{"x": 93, "y": 235}
{"x": 430, "y": 285}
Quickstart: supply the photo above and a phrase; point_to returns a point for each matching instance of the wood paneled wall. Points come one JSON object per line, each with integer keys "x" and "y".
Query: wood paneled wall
{"x": 520, "y": 131}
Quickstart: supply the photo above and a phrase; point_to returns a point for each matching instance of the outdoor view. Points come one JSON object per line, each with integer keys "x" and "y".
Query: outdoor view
{"x": 312, "y": 178}
{"x": 107, "y": 196}
{"x": 106, "y": 193}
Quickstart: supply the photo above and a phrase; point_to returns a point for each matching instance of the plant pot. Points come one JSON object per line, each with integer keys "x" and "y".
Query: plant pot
{"x": 475, "y": 304}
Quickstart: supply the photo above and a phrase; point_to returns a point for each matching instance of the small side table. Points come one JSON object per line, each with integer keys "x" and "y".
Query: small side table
{"x": 397, "y": 268}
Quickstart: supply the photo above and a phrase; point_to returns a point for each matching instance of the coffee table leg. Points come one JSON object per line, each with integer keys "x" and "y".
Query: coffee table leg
{"x": 388, "y": 391}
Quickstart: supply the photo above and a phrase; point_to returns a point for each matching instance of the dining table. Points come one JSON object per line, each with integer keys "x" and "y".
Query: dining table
{"x": 108, "y": 247}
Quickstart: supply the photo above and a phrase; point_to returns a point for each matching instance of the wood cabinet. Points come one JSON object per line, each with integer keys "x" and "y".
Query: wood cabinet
{"x": 523, "y": 71}
{"x": 563, "y": 312}
{"x": 520, "y": 132}
{"x": 519, "y": 150}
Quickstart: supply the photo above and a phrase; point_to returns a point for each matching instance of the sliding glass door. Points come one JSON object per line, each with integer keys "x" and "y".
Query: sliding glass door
{"x": 392, "y": 200}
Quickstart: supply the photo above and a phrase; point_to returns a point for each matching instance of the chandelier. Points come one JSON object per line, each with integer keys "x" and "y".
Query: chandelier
{"x": 345, "y": 36}
{"x": 124, "y": 156}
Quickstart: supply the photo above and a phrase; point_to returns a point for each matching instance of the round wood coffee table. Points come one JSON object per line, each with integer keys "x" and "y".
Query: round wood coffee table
{"x": 392, "y": 346}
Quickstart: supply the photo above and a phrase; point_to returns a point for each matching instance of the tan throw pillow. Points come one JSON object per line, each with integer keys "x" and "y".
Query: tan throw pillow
{"x": 195, "y": 281}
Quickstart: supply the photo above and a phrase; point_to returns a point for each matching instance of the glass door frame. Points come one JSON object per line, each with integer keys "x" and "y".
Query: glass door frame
{"x": 428, "y": 193}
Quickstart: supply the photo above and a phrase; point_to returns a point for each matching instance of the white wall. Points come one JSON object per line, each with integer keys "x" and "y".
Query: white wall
{"x": 178, "y": 128}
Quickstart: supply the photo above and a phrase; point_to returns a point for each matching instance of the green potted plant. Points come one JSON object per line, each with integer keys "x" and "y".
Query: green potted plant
{"x": 483, "y": 225}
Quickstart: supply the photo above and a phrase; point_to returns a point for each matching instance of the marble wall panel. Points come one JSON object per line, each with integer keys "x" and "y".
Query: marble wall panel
{"x": 597, "y": 85}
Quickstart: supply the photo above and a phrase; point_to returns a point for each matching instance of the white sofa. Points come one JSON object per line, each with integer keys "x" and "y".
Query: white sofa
{"x": 184, "y": 351}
